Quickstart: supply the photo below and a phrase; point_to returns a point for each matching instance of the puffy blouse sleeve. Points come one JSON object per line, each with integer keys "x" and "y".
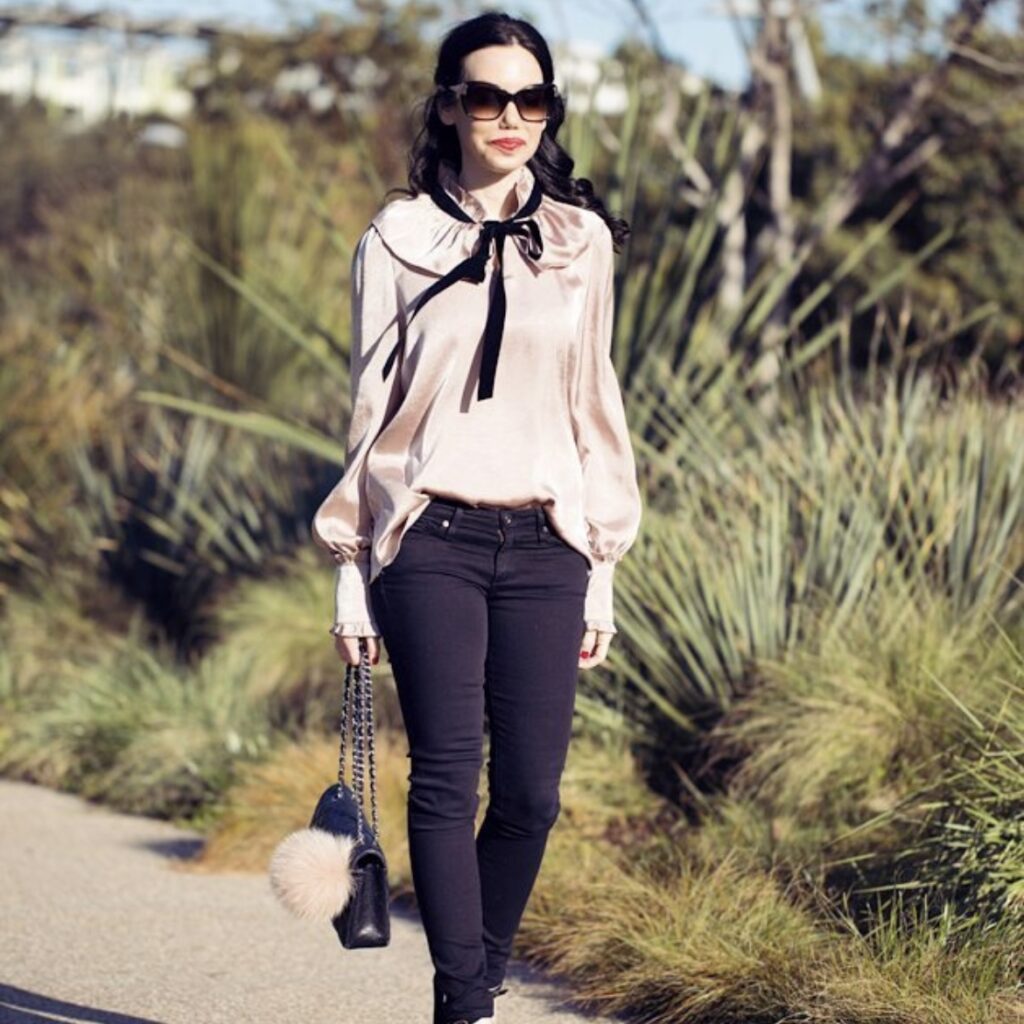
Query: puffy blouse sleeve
{"x": 343, "y": 523}
{"x": 611, "y": 495}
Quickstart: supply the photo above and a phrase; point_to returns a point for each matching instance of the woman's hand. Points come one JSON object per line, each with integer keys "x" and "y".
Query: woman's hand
{"x": 594, "y": 648}
{"x": 348, "y": 648}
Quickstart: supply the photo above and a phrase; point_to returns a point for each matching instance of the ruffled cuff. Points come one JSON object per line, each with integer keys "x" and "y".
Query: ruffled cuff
{"x": 599, "y": 611}
{"x": 353, "y": 612}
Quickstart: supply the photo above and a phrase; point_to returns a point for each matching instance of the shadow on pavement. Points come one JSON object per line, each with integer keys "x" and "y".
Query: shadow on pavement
{"x": 17, "y": 1006}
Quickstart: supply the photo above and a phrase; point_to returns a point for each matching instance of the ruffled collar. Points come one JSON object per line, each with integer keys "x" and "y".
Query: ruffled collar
{"x": 448, "y": 178}
{"x": 424, "y": 236}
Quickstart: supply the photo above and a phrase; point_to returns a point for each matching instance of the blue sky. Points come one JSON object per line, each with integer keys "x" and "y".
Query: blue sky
{"x": 691, "y": 30}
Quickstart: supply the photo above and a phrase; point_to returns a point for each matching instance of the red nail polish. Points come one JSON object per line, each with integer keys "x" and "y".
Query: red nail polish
{"x": 584, "y": 654}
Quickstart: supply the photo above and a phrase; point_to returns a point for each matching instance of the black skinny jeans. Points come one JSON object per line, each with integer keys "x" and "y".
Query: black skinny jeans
{"x": 482, "y": 609}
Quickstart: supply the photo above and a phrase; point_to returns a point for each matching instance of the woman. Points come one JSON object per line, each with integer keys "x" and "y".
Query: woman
{"x": 489, "y": 487}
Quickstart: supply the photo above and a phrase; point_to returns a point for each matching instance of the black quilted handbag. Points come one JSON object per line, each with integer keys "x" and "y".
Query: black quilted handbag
{"x": 335, "y": 870}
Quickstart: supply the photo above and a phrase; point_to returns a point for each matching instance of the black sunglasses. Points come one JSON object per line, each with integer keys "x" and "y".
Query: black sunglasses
{"x": 483, "y": 101}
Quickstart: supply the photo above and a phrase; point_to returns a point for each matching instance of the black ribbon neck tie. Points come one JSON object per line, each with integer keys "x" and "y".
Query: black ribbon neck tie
{"x": 474, "y": 268}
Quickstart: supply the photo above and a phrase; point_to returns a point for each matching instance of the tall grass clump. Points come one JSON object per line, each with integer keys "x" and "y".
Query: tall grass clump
{"x": 284, "y": 615}
{"x": 140, "y": 732}
{"x": 857, "y": 717}
{"x": 679, "y": 939}
{"x": 900, "y": 500}
{"x": 961, "y": 830}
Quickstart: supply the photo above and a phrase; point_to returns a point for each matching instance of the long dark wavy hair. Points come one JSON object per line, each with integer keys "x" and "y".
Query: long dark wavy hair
{"x": 551, "y": 164}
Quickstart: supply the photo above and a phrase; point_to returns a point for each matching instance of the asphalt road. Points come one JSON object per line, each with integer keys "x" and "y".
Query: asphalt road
{"x": 97, "y": 925}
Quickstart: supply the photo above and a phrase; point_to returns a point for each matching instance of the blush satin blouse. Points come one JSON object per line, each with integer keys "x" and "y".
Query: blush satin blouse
{"x": 549, "y": 428}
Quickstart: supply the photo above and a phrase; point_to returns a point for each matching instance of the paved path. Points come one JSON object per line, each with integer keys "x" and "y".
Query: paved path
{"x": 97, "y": 925}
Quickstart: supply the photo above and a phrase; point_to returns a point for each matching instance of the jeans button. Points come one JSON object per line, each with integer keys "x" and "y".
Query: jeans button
{"x": 444, "y": 522}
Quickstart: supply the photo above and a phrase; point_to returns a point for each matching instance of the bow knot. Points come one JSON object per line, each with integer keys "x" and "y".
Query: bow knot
{"x": 474, "y": 268}
{"x": 495, "y": 232}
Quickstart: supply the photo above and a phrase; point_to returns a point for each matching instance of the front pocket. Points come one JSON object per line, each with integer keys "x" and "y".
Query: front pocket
{"x": 549, "y": 536}
{"x": 436, "y": 522}
{"x": 410, "y": 539}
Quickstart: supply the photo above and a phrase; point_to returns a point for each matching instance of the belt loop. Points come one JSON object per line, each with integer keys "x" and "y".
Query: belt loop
{"x": 538, "y": 521}
{"x": 453, "y": 519}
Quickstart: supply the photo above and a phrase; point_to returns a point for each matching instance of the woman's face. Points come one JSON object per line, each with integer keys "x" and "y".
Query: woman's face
{"x": 511, "y": 68}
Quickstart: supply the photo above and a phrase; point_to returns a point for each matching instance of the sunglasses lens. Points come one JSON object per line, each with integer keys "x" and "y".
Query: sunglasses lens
{"x": 534, "y": 104}
{"x": 483, "y": 102}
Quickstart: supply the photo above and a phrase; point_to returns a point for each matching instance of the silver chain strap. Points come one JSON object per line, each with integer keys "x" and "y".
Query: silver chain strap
{"x": 357, "y": 713}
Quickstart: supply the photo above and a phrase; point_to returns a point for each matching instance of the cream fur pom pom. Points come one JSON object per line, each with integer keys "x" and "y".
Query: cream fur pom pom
{"x": 311, "y": 875}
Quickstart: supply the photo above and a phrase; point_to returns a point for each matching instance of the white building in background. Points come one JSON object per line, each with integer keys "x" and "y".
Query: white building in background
{"x": 96, "y": 73}
{"x": 587, "y": 79}
{"x": 92, "y": 75}
{"x": 592, "y": 80}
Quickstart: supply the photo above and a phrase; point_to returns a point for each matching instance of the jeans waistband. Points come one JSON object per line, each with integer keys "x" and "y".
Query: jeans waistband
{"x": 531, "y": 519}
